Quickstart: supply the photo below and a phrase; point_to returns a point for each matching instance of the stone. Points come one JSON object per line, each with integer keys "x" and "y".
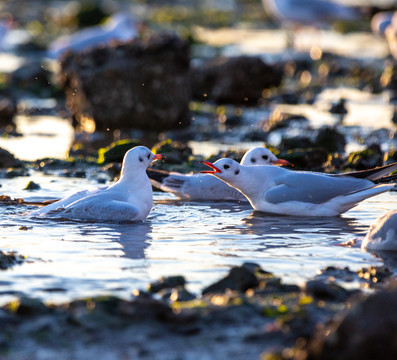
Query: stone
{"x": 175, "y": 152}
{"x": 307, "y": 159}
{"x": 367, "y": 332}
{"x": 32, "y": 186}
{"x": 369, "y": 158}
{"x": 143, "y": 84}
{"x": 8, "y": 109}
{"x": 167, "y": 282}
{"x": 326, "y": 291}
{"x": 32, "y": 77}
{"x": 331, "y": 140}
{"x": 237, "y": 80}
{"x": 239, "y": 278}
{"x": 115, "y": 151}
{"x": 8, "y": 160}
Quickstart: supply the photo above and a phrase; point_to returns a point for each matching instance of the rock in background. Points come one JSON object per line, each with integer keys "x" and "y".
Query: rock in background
{"x": 142, "y": 84}
{"x": 237, "y": 80}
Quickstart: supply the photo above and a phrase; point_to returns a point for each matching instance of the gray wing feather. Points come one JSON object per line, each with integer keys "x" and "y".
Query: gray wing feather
{"x": 313, "y": 188}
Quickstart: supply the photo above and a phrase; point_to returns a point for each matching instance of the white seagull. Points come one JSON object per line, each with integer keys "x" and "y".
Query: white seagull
{"x": 382, "y": 236}
{"x": 205, "y": 187}
{"x": 120, "y": 26}
{"x": 281, "y": 191}
{"x": 129, "y": 199}
{"x": 309, "y": 12}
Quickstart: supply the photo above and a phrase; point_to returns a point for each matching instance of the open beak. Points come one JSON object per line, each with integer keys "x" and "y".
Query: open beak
{"x": 281, "y": 162}
{"x": 158, "y": 157}
{"x": 212, "y": 166}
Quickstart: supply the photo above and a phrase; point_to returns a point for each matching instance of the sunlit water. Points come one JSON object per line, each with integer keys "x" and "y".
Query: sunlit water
{"x": 201, "y": 241}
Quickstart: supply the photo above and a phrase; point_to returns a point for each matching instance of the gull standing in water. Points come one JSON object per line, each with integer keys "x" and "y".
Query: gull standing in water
{"x": 205, "y": 187}
{"x": 281, "y": 191}
{"x": 129, "y": 199}
{"x": 382, "y": 236}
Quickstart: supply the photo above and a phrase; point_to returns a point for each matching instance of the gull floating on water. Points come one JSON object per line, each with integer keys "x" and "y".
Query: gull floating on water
{"x": 382, "y": 235}
{"x": 129, "y": 199}
{"x": 281, "y": 191}
{"x": 120, "y": 26}
{"x": 206, "y": 187}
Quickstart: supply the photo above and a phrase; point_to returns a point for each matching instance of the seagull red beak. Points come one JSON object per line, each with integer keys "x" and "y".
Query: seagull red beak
{"x": 281, "y": 162}
{"x": 158, "y": 157}
{"x": 212, "y": 166}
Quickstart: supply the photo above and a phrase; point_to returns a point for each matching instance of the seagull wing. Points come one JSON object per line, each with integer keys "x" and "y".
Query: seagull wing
{"x": 312, "y": 188}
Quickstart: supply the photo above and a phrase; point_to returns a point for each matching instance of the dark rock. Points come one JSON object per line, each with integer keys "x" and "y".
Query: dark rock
{"x": 167, "y": 282}
{"x": 8, "y": 109}
{"x": 10, "y": 259}
{"x": 16, "y": 172}
{"x": 32, "y": 77}
{"x": 374, "y": 275}
{"x": 280, "y": 120}
{"x": 366, "y": 159}
{"x": 26, "y": 306}
{"x": 7, "y": 160}
{"x": 174, "y": 151}
{"x": 339, "y": 107}
{"x": 308, "y": 159}
{"x": 181, "y": 294}
{"x": 116, "y": 151}
{"x": 141, "y": 84}
{"x": 334, "y": 163}
{"x": 297, "y": 142}
{"x": 331, "y": 140}
{"x": 239, "y": 278}
{"x": 343, "y": 274}
{"x": 326, "y": 291}
{"x": 367, "y": 332}
{"x": 32, "y": 186}
{"x": 390, "y": 157}
{"x": 238, "y": 80}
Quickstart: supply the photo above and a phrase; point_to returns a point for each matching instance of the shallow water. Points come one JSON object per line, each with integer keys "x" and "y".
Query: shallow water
{"x": 201, "y": 241}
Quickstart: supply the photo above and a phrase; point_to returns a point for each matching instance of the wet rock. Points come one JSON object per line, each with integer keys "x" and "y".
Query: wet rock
{"x": 16, "y": 172}
{"x": 116, "y": 151}
{"x": 297, "y": 142}
{"x": 10, "y": 259}
{"x": 390, "y": 157}
{"x": 141, "y": 84}
{"x": 366, "y": 159}
{"x": 26, "y": 306}
{"x": 181, "y": 294}
{"x": 32, "y": 77}
{"x": 239, "y": 278}
{"x": 168, "y": 282}
{"x": 373, "y": 275}
{"x": 174, "y": 151}
{"x": 8, "y": 109}
{"x": 32, "y": 186}
{"x": 334, "y": 272}
{"x": 308, "y": 159}
{"x": 331, "y": 140}
{"x": 367, "y": 332}
{"x": 238, "y": 80}
{"x": 8, "y": 160}
{"x": 339, "y": 107}
{"x": 334, "y": 163}
{"x": 326, "y": 291}
{"x": 280, "y": 120}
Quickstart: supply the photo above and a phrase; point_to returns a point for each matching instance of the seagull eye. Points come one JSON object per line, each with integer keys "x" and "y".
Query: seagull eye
{"x": 253, "y": 160}
{"x": 148, "y": 156}
{"x": 265, "y": 157}
{"x": 226, "y": 167}
{"x": 140, "y": 159}
{"x": 237, "y": 172}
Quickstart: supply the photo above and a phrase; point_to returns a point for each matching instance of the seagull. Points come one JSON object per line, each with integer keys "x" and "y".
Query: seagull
{"x": 120, "y": 26}
{"x": 382, "y": 235}
{"x": 129, "y": 199}
{"x": 309, "y": 12}
{"x": 205, "y": 187}
{"x": 281, "y": 191}
{"x": 380, "y": 21}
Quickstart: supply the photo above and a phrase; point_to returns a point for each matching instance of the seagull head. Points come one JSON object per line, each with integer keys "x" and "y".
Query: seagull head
{"x": 262, "y": 156}
{"x": 138, "y": 158}
{"x": 224, "y": 169}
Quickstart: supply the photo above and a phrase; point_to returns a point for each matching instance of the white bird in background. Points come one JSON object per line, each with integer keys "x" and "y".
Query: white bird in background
{"x": 382, "y": 235}
{"x": 206, "y": 187}
{"x": 120, "y": 26}
{"x": 281, "y": 191}
{"x": 380, "y": 21}
{"x": 129, "y": 199}
{"x": 309, "y": 12}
